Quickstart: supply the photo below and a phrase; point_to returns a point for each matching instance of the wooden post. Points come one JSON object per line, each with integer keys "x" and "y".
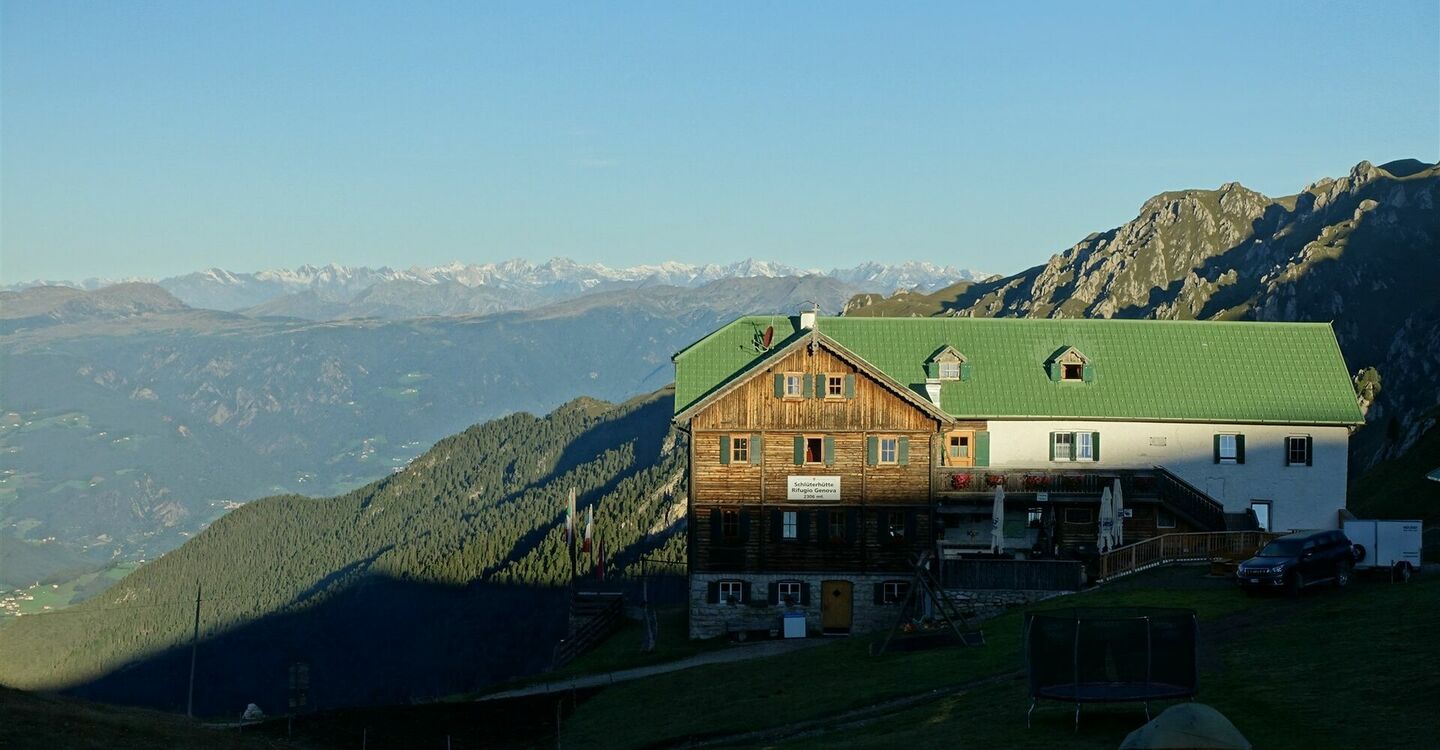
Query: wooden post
{"x": 194, "y": 645}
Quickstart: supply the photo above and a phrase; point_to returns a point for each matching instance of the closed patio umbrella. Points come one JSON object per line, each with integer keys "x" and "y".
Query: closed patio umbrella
{"x": 997, "y": 521}
{"x": 1119, "y": 531}
{"x": 1107, "y": 520}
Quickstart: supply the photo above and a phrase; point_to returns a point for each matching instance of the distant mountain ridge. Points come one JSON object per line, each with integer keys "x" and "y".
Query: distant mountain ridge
{"x": 1361, "y": 251}
{"x": 337, "y": 291}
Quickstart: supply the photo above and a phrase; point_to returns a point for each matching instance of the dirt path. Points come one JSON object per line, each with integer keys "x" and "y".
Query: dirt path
{"x": 738, "y": 653}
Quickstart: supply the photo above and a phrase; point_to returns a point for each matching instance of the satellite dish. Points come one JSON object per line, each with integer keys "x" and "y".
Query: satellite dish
{"x": 768, "y": 337}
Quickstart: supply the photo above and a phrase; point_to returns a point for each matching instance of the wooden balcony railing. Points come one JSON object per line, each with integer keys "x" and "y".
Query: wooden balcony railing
{"x": 1169, "y": 548}
{"x": 1071, "y": 480}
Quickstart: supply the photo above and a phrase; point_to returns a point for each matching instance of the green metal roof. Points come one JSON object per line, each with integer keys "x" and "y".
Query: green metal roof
{"x": 1194, "y": 371}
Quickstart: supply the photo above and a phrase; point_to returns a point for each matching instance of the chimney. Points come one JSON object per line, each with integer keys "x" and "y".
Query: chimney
{"x": 807, "y": 319}
{"x": 932, "y": 389}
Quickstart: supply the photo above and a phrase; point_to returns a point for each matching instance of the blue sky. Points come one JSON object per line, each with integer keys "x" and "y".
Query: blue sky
{"x": 156, "y": 138}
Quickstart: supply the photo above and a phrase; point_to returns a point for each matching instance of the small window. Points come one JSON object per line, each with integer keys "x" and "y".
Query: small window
{"x": 739, "y": 449}
{"x": 794, "y": 385}
{"x": 1297, "y": 450}
{"x": 731, "y": 592}
{"x": 1228, "y": 451}
{"x": 1063, "y": 441}
{"x": 1164, "y": 519}
{"x": 894, "y": 526}
{"x": 1034, "y": 517}
{"x": 895, "y": 591}
{"x": 959, "y": 446}
{"x": 789, "y": 528}
{"x": 949, "y": 370}
{"x": 789, "y": 592}
{"x": 835, "y": 523}
{"x": 1070, "y": 371}
{"x": 889, "y": 450}
{"x": 1079, "y": 515}
{"x": 730, "y": 524}
{"x": 1084, "y": 449}
{"x": 814, "y": 450}
{"x": 835, "y": 386}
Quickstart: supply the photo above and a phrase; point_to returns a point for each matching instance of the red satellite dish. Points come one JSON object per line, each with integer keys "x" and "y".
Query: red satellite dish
{"x": 769, "y": 336}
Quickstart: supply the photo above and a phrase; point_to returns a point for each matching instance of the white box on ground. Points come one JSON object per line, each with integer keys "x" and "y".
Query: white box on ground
{"x": 1386, "y": 543}
{"x": 794, "y": 625}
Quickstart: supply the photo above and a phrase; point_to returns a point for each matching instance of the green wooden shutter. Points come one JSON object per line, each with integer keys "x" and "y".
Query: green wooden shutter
{"x": 809, "y": 386}
{"x": 799, "y": 449}
{"x": 745, "y": 592}
{"x": 850, "y": 386}
{"x": 1095, "y": 445}
{"x": 715, "y": 530}
{"x": 1052, "y": 446}
{"x": 1309, "y": 451}
{"x": 744, "y": 525}
{"x": 982, "y": 449}
{"x": 777, "y": 525}
{"x": 879, "y": 593}
{"x": 965, "y": 371}
{"x": 1239, "y": 449}
{"x": 932, "y": 369}
{"x": 829, "y": 443}
{"x": 774, "y": 592}
{"x": 1217, "y": 449}
{"x": 1072, "y": 446}
{"x": 805, "y": 594}
{"x": 756, "y": 447}
{"x": 724, "y": 449}
{"x": 802, "y": 525}
{"x": 903, "y": 454}
{"x": 779, "y": 385}
{"x": 1054, "y": 371}
{"x": 872, "y": 450}
{"x": 1087, "y": 373}
{"x": 822, "y": 385}
{"x": 712, "y": 592}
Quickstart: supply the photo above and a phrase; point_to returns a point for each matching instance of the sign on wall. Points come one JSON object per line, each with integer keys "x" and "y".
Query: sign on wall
{"x": 812, "y": 488}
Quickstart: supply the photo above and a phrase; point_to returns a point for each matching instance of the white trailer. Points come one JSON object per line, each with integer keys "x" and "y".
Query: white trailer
{"x": 1387, "y": 545}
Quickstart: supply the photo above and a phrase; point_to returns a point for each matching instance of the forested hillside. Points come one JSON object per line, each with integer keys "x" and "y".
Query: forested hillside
{"x": 1361, "y": 251}
{"x": 441, "y": 578}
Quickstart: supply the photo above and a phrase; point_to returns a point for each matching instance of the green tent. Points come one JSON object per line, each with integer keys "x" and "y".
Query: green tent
{"x": 1187, "y": 726}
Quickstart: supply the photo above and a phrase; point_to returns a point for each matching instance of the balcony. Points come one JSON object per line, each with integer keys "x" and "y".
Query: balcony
{"x": 1078, "y": 483}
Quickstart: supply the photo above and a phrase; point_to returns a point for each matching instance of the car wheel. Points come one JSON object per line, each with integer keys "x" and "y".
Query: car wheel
{"x": 1342, "y": 574}
{"x": 1403, "y": 571}
{"x": 1358, "y": 552}
{"x": 1294, "y": 584}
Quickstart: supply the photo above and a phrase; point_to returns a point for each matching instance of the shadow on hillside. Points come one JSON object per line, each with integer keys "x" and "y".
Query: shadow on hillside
{"x": 381, "y": 641}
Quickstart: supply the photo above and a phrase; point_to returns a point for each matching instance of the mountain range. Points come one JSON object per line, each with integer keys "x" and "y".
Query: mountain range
{"x": 334, "y": 291}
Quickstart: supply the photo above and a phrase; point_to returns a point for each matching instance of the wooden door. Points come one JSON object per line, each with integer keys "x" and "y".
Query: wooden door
{"x": 836, "y": 603}
{"x": 959, "y": 448}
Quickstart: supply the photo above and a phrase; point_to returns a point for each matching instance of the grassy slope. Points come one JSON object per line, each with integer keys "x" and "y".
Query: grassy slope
{"x": 31, "y": 720}
{"x": 1286, "y": 672}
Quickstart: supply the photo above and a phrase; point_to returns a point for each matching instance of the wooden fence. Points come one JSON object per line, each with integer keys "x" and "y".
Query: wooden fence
{"x": 1021, "y": 575}
{"x": 1169, "y": 548}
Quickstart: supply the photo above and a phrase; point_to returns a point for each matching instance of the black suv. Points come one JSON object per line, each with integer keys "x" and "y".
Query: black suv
{"x": 1294, "y": 561}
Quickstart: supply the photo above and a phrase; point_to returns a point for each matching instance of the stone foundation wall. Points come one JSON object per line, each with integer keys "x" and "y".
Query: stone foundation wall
{"x": 709, "y": 620}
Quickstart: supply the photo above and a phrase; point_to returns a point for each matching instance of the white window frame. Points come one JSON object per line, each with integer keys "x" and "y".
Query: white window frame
{"x": 893, "y": 592}
{"x": 1269, "y": 520}
{"x": 795, "y": 380}
{"x": 1057, "y": 438}
{"x": 1304, "y": 443}
{"x": 787, "y": 589}
{"x": 834, "y": 386}
{"x": 739, "y": 449}
{"x": 819, "y": 454}
{"x": 1066, "y": 369}
{"x": 894, "y": 450}
{"x": 789, "y": 525}
{"x": 949, "y": 370}
{"x": 1233, "y": 454}
{"x": 1084, "y": 446}
{"x": 735, "y": 589}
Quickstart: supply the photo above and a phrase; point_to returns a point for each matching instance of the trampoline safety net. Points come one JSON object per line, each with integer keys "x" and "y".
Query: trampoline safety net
{"x": 1111, "y": 654}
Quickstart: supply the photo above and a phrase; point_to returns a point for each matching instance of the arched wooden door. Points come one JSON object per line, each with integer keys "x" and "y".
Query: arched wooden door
{"x": 837, "y": 602}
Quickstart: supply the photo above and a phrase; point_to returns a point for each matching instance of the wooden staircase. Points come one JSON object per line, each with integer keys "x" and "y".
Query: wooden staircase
{"x": 1173, "y": 548}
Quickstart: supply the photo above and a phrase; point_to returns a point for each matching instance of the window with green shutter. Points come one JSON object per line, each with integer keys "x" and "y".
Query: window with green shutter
{"x": 982, "y": 448}
{"x": 850, "y": 386}
{"x": 724, "y": 449}
{"x": 756, "y": 447}
{"x": 872, "y": 450}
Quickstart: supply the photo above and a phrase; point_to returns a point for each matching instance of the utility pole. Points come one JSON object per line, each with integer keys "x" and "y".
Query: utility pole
{"x": 194, "y": 644}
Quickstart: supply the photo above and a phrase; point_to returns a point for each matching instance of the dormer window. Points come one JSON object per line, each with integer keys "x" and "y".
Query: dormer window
{"x": 947, "y": 364}
{"x": 1070, "y": 366}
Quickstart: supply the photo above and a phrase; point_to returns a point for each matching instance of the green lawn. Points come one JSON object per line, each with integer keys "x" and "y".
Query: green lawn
{"x": 1333, "y": 669}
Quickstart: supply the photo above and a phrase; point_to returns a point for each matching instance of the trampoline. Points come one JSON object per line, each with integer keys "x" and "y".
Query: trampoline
{"x": 1110, "y": 655}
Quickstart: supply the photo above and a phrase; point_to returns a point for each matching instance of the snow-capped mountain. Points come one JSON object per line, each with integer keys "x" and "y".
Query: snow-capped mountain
{"x": 329, "y": 291}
